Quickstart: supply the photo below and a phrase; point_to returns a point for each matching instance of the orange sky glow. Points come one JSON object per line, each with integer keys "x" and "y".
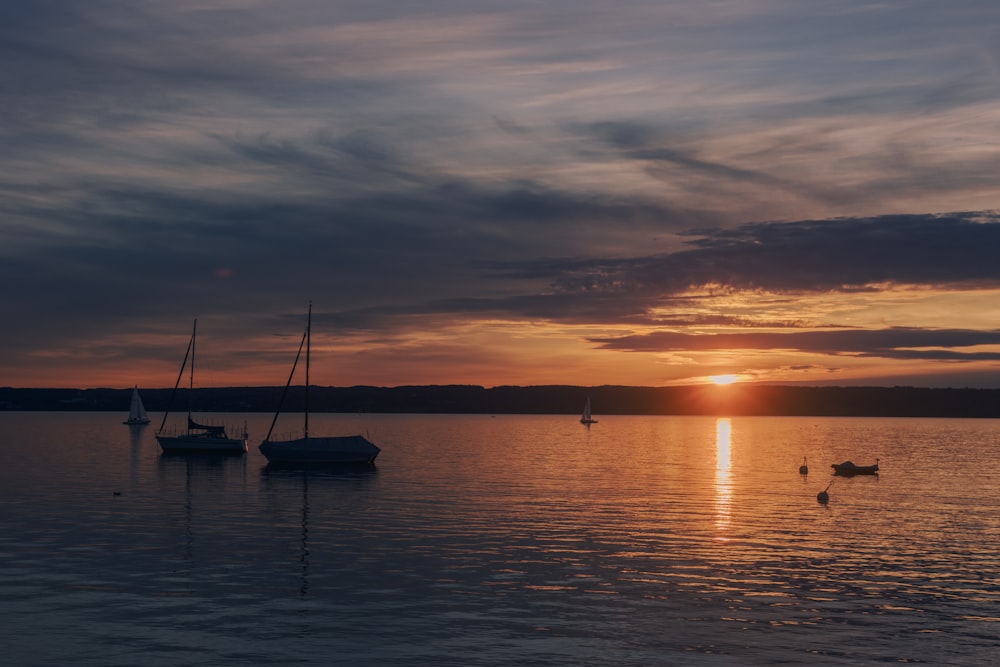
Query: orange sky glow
{"x": 495, "y": 353}
{"x": 502, "y": 194}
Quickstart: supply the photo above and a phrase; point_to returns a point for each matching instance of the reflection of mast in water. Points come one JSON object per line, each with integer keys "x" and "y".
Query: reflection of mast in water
{"x": 135, "y": 441}
{"x": 135, "y": 436}
{"x": 201, "y": 471}
{"x": 188, "y": 533}
{"x": 723, "y": 483}
{"x": 304, "y": 556}
{"x": 284, "y": 483}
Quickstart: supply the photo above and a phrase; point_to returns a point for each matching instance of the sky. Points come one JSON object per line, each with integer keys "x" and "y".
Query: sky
{"x": 529, "y": 192}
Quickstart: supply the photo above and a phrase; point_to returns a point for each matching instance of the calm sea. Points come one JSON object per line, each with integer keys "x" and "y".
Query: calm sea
{"x": 507, "y": 540}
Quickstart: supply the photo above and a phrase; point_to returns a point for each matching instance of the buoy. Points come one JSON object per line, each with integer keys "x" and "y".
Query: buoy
{"x": 823, "y": 496}
{"x": 803, "y": 469}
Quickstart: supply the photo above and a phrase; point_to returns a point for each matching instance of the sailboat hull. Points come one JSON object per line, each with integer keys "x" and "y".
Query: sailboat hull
{"x": 199, "y": 438}
{"x": 319, "y": 451}
{"x": 196, "y": 443}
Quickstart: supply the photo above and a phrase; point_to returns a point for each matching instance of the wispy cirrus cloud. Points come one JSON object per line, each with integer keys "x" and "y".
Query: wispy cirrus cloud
{"x": 891, "y": 343}
{"x": 449, "y": 173}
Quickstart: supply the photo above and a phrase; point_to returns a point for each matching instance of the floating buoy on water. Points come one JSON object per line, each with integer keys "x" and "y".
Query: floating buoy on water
{"x": 803, "y": 469}
{"x": 823, "y": 496}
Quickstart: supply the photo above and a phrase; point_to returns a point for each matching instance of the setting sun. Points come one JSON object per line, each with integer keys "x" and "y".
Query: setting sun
{"x": 723, "y": 379}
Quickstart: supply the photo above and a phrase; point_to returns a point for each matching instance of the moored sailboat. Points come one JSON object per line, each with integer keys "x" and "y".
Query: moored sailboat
{"x": 197, "y": 437}
{"x": 137, "y": 411}
{"x": 314, "y": 450}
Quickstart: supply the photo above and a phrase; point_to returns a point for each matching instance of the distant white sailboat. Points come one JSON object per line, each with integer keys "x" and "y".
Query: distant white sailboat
{"x": 313, "y": 450}
{"x": 197, "y": 437}
{"x": 137, "y": 411}
{"x": 586, "y": 418}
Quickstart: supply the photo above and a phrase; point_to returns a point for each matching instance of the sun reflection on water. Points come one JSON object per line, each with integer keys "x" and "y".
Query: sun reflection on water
{"x": 723, "y": 484}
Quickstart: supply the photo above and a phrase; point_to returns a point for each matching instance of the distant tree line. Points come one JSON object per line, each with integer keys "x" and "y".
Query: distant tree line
{"x": 732, "y": 400}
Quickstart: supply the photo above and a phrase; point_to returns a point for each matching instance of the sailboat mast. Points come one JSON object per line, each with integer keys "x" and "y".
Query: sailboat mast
{"x": 177, "y": 383}
{"x": 308, "y": 345}
{"x": 194, "y": 335}
{"x": 291, "y": 376}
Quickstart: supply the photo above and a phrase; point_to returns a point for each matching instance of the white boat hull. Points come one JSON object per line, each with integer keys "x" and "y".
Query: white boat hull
{"x": 322, "y": 450}
{"x": 200, "y": 443}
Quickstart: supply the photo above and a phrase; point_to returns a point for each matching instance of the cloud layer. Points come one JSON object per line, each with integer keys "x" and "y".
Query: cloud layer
{"x": 500, "y": 193}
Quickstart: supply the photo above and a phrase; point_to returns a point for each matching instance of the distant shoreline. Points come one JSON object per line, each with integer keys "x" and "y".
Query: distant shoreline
{"x": 732, "y": 400}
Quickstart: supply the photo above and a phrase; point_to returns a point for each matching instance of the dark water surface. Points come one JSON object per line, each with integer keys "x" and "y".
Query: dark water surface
{"x": 481, "y": 540}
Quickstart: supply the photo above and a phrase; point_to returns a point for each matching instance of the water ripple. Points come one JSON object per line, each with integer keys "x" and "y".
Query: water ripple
{"x": 484, "y": 541}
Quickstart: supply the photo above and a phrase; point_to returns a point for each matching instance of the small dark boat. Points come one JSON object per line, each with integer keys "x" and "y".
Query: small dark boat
{"x": 847, "y": 469}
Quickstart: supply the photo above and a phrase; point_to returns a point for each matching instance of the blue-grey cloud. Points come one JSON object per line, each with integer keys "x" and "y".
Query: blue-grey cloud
{"x": 892, "y": 343}
{"x": 524, "y": 161}
{"x": 954, "y": 250}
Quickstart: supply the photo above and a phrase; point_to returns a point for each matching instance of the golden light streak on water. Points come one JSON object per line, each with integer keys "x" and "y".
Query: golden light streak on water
{"x": 723, "y": 483}
{"x": 484, "y": 539}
